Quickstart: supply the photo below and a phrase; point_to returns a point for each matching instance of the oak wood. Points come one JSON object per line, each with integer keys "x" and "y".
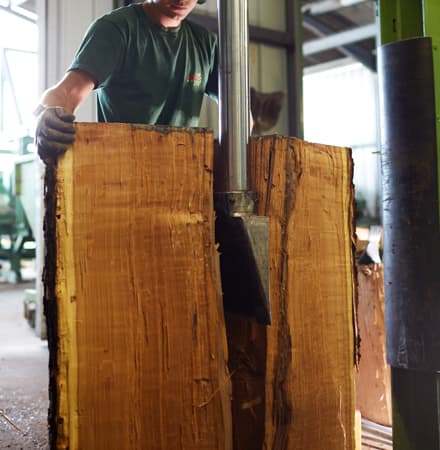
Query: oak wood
{"x": 141, "y": 360}
{"x": 141, "y": 338}
{"x": 305, "y": 397}
{"x": 373, "y": 380}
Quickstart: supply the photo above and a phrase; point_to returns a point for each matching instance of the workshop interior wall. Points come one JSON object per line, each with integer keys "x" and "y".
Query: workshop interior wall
{"x": 62, "y": 24}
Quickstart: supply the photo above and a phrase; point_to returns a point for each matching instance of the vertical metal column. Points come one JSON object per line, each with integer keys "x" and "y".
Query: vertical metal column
{"x": 234, "y": 90}
{"x": 409, "y": 90}
{"x": 243, "y": 236}
{"x": 295, "y": 69}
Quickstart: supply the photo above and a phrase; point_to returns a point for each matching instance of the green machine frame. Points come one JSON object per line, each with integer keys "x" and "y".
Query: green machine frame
{"x": 17, "y": 217}
{"x": 415, "y": 394}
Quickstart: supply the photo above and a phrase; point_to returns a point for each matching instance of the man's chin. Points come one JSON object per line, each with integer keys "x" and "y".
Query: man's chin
{"x": 175, "y": 17}
{"x": 175, "y": 14}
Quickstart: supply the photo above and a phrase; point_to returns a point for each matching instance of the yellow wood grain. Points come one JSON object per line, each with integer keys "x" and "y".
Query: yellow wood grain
{"x": 65, "y": 293}
{"x": 306, "y": 190}
{"x": 142, "y": 348}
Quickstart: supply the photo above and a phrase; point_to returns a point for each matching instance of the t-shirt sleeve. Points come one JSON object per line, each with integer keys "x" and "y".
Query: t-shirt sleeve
{"x": 212, "y": 85}
{"x": 100, "y": 51}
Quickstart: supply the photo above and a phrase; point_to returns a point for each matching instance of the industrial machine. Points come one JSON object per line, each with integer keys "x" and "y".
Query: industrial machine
{"x": 17, "y": 217}
{"x": 409, "y": 86}
{"x": 243, "y": 236}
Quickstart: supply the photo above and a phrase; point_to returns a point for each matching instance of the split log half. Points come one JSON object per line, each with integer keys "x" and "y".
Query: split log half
{"x": 136, "y": 329}
{"x": 293, "y": 382}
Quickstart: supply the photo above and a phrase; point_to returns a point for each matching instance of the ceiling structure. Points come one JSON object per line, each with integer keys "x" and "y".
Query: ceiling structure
{"x": 335, "y": 29}
{"x": 26, "y": 9}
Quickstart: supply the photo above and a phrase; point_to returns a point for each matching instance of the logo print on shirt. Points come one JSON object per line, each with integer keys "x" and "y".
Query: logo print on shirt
{"x": 195, "y": 79}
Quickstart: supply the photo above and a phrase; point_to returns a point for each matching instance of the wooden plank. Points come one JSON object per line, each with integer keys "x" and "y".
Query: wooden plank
{"x": 373, "y": 380}
{"x": 137, "y": 335}
{"x": 310, "y": 372}
{"x": 307, "y": 355}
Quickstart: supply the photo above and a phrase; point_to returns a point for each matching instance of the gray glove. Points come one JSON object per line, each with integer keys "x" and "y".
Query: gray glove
{"x": 55, "y": 132}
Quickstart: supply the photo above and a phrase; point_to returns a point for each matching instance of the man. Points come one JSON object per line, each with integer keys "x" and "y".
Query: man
{"x": 148, "y": 64}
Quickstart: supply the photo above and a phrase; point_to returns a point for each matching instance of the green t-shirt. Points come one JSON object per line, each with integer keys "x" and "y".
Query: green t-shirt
{"x": 146, "y": 73}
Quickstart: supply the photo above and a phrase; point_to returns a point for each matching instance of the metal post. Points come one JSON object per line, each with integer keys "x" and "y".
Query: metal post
{"x": 415, "y": 409}
{"x": 409, "y": 74}
{"x": 234, "y": 90}
{"x": 243, "y": 236}
{"x": 295, "y": 68}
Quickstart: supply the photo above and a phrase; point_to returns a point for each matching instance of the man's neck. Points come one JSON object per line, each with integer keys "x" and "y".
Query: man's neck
{"x": 154, "y": 13}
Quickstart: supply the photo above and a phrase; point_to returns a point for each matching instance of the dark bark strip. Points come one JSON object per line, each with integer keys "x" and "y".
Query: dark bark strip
{"x": 352, "y": 228}
{"x": 282, "y": 406}
{"x": 49, "y": 296}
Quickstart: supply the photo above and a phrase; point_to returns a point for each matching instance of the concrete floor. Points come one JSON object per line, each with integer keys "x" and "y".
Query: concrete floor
{"x": 23, "y": 375}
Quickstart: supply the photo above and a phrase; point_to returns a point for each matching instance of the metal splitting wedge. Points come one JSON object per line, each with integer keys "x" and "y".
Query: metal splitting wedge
{"x": 243, "y": 236}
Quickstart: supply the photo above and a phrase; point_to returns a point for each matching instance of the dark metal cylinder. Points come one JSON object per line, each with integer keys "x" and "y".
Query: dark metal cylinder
{"x": 410, "y": 204}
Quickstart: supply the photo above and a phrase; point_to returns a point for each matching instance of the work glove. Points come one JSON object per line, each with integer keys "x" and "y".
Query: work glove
{"x": 55, "y": 132}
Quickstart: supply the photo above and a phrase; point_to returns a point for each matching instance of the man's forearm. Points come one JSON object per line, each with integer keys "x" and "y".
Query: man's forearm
{"x": 70, "y": 92}
{"x": 55, "y": 131}
{"x": 55, "y": 97}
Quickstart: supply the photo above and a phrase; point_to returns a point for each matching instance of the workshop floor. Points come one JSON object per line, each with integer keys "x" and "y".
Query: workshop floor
{"x": 23, "y": 375}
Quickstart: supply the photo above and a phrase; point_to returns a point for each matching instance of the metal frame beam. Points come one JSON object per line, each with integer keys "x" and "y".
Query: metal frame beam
{"x": 326, "y": 6}
{"x": 340, "y": 39}
{"x": 356, "y": 51}
{"x": 20, "y": 12}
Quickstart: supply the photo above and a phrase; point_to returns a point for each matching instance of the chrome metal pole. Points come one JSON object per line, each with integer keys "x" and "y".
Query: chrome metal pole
{"x": 234, "y": 90}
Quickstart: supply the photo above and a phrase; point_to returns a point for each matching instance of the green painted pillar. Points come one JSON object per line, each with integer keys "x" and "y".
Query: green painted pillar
{"x": 400, "y": 19}
{"x": 431, "y": 28}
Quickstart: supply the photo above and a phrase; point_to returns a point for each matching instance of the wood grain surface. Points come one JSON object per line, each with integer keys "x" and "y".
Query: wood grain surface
{"x": 293, "y": 382}
{"x": 142, "y": 357}
{"x": 373, "y": 380}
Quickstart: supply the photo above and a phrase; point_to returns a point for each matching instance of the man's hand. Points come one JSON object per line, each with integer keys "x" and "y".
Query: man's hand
{"x": 55, "y": 132}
